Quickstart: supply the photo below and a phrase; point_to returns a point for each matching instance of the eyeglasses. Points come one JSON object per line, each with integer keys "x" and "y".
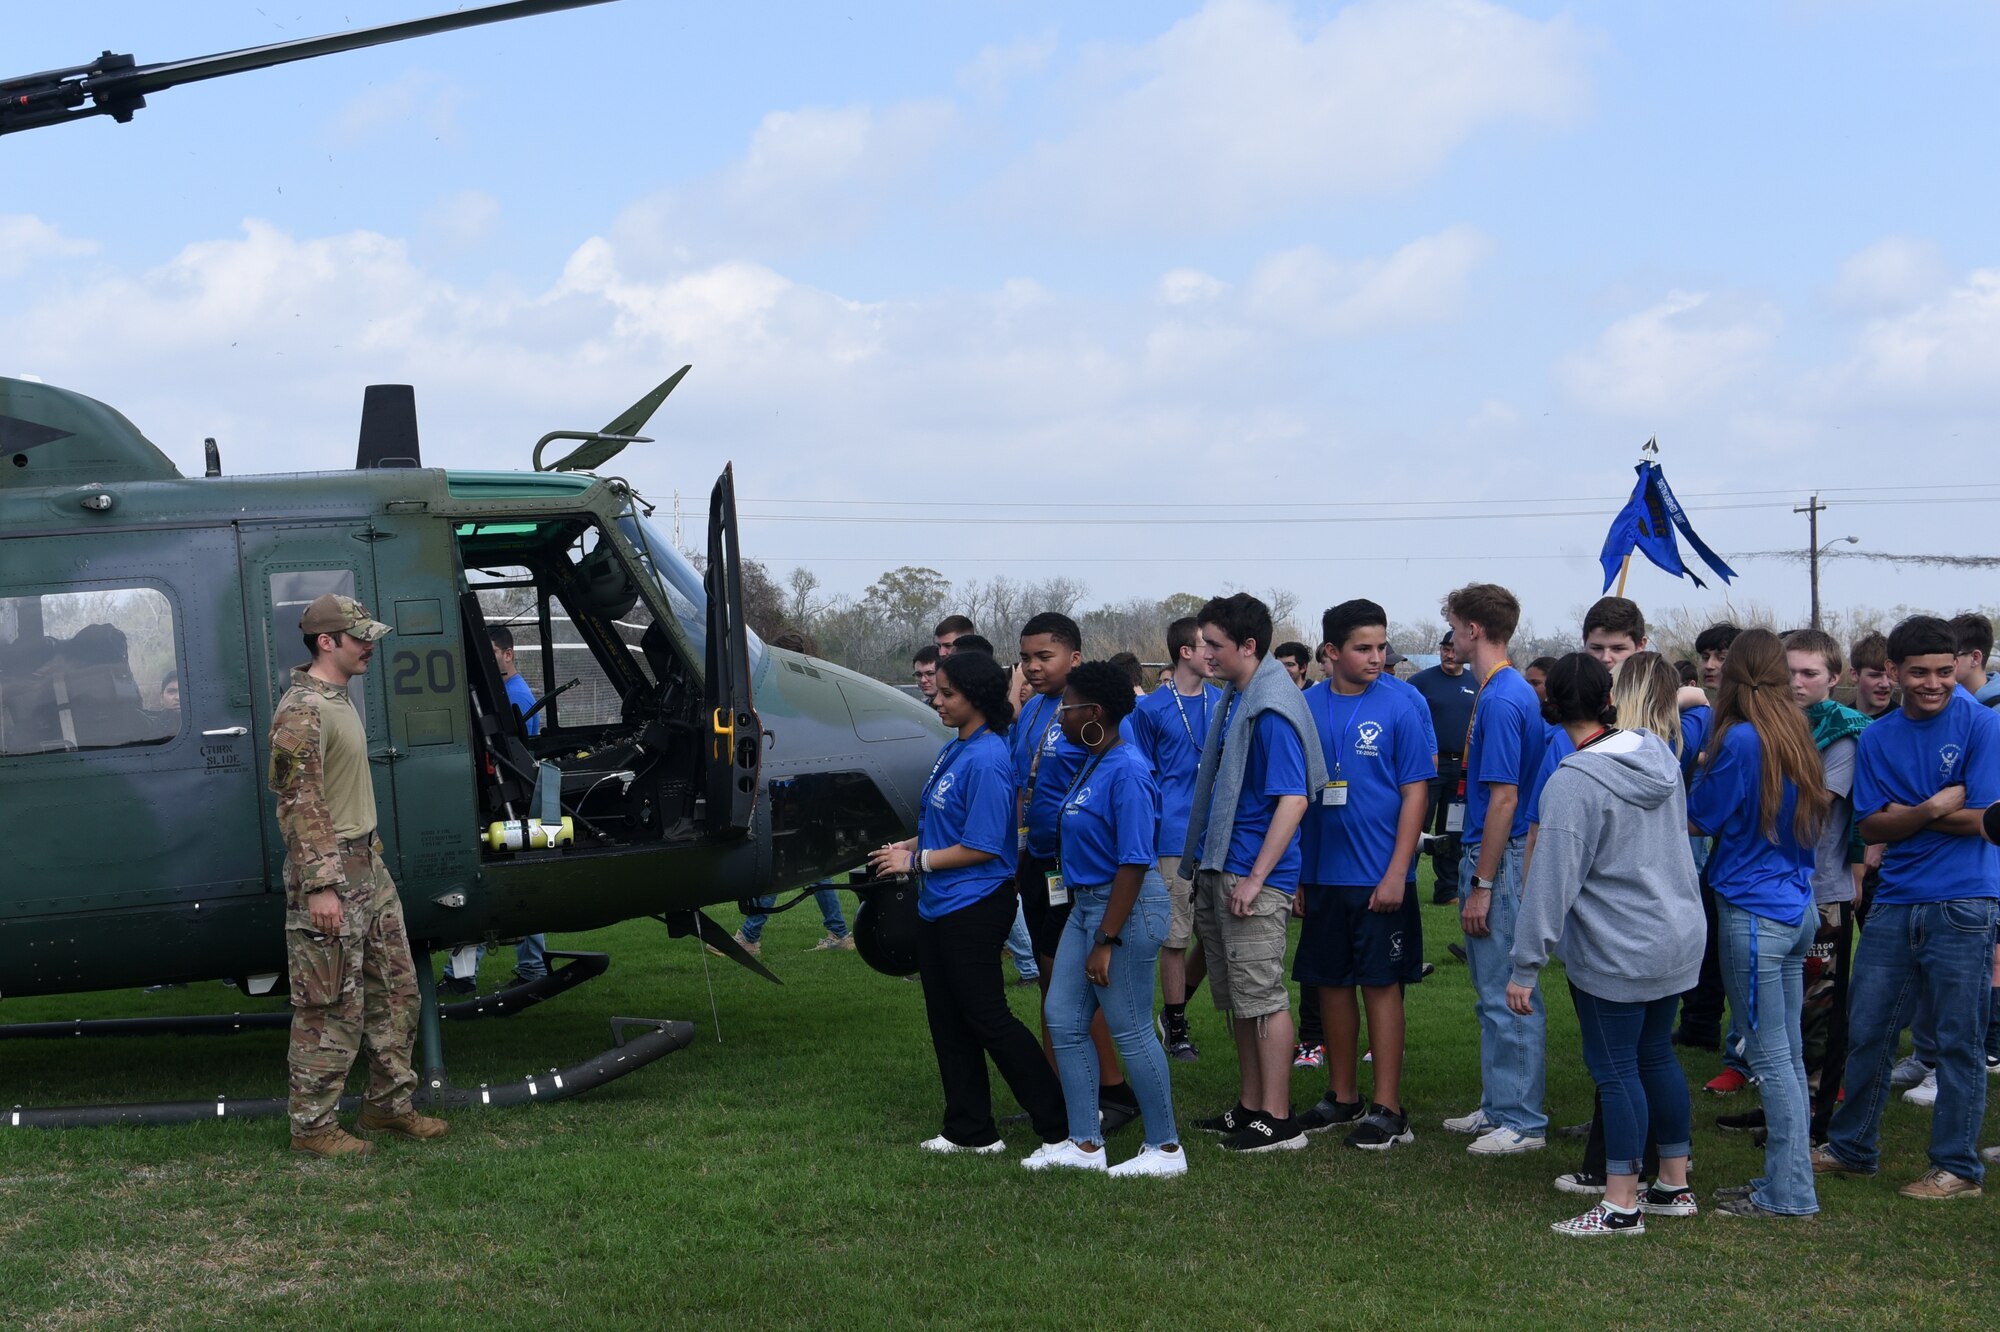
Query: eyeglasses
{"x": 1067, "y": 707}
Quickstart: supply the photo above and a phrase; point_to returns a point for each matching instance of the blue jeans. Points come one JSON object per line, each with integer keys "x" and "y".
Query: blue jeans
{"x": 1127, "y": 1003}
{"x": 1763, "y": 972}
{"x": 1512, "y": 1071}
{"x": 531, "y": 958}
{"x": 1944, "y": 952}
{"x": 1021, "y": 948}
{"x": 1629, "y": 1050}
{"x": 825, "y": 898}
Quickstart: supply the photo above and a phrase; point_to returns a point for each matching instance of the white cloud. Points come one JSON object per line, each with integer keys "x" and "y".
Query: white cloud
{"x": 26, "y": 241}
{"x": 1891, "y": 275}
{"x": 808, "y": 177}
{"x": 1188, "y": 286}
{"x": 996, "y": 68}
{"x": 419, "y": 102}
{"x": 1948, "y": 346}
{"x": 463, "y": 219}
{"x": 1242, "y": 109}
{"x": 1671, "y": 357}
{"x": 1423, "y": 282}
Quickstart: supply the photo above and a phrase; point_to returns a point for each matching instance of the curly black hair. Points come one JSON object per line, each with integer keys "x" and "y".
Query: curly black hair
{"x": 1106, "y": 685}
{"x": 983, "y": 682}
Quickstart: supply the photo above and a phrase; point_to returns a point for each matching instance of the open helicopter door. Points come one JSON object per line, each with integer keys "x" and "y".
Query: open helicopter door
{"x": 736, "y": 736}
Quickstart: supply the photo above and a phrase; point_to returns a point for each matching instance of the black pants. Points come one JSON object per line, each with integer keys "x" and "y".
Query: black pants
{"x": 1045, "y": 922}
{"x": 1312, "y": 1027}
{"x": 1446, "y": 853}
{"x": 1833, "y": 1069}
{"x": 1701, "y": 1007}
{"x": 958, "y": 958}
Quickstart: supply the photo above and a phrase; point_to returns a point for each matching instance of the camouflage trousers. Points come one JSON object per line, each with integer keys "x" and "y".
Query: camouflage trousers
{"x": 351, "y": 991}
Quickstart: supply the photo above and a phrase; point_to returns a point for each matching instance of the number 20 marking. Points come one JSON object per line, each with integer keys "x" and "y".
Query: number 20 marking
{"x": 436, "y": 672}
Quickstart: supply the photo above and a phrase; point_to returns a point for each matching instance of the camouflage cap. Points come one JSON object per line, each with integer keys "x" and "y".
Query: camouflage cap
{"x": 341, "y": 615}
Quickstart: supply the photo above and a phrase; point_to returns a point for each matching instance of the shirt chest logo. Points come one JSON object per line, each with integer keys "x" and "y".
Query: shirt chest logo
{"x": 1081, "y": 799}
{"x": 944, "y": 785}
{"x": 1365, "y": 736}
{"x": 1948, "y": 758}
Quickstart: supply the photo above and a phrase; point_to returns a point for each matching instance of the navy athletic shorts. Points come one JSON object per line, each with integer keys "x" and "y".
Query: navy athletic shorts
{"x": 1343, "y": 943}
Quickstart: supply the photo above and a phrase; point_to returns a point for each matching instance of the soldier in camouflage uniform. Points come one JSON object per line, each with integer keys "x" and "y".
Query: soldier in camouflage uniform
{"x": 354, "y": 986}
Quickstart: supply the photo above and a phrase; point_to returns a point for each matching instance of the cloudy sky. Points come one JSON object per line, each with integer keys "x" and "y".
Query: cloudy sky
{"x": 1350, "y": 299}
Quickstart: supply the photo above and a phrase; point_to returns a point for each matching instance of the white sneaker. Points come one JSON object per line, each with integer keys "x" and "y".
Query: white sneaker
{"x": 1066, "y": 1154}
{"x": 1925, "y": 1092}
{"x": 1908, "y": 1071}
{"x": 1991, "y": 1154}
{"x": 1152, "y": 1161}
{"x": 1476, "y": 1122}
{"x": 943, "y": 1144}
{"x": 1506, "y": 1142}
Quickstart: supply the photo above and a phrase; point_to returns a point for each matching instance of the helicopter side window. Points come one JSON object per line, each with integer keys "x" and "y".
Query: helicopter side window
{"x": 292, "y": 590}
{"x": 93, "y": 669}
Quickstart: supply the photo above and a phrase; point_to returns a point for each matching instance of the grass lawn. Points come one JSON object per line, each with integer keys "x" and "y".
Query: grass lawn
{"x": 771, "y": 1178}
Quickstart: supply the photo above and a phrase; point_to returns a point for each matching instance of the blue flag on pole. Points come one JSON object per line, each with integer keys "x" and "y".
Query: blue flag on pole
{"x": 1646, "y": 524}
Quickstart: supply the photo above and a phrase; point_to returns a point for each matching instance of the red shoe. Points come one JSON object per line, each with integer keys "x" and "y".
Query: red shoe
{"x": 1725, "y": 1083}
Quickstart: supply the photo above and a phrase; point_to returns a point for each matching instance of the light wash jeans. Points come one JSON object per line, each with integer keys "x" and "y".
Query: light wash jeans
{"x": 1127, "y": 1003}
{"x": 1942, "y": 951}
{"x": 531, "y": 958}
{"x": 1512, "y": 1069}
{"x": 1022, "y": 948}
{"x": 826, "y": 899}
{"x": 1763, "y": 972}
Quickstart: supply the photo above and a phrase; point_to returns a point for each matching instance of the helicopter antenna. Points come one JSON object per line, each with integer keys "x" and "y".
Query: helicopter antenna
{"x": 116, "y": 86}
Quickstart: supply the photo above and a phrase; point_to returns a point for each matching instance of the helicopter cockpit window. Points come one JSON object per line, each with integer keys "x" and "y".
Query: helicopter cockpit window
{"x": 95, "y": 669}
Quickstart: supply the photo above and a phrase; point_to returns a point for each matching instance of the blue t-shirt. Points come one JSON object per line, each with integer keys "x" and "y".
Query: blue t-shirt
{"x": 1559, "y": 747}
{"x": 1696, "y": 723}
{"x": 968, "y": 802}
{"x": 1508, "y": 736}
{"x": 1169, "y": 729}
{"x": 1907, "y": 762}
{"x": 1276, "y": 767}
{"x": 1039, "y": 729}
{"x": 1449, "y": 701}
{"x": 1766, "y": 878}
{"x": 1377, "y": 742}
{"x": 523, "y": 698}
{"x": 1110, "y": 818}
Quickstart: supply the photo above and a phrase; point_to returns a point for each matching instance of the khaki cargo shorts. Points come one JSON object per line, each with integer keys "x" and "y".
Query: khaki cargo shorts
{"x": 1246, "y": 954}
{"x": 1180, "y": 894}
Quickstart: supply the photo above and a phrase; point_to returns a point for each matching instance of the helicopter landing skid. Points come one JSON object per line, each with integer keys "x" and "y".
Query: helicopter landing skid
{"x": 636, "y": 1042}
{"x": 510, "y": 999}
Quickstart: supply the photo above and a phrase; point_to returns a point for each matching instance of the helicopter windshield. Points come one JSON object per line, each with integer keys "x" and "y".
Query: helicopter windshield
{"x": 685, "y": 592}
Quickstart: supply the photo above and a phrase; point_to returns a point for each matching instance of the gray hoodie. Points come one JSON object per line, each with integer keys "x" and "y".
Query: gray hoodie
{"x": 1612, "y": 877}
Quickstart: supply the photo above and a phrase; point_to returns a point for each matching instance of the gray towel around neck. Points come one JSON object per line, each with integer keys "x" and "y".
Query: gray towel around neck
{"x": 1218, "y": 783}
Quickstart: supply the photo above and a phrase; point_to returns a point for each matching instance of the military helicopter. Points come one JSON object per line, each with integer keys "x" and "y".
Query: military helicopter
{"x": 149, "y": 621}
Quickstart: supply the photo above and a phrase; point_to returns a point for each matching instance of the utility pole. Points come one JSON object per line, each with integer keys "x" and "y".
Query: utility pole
{"x": 1812, "y": 510}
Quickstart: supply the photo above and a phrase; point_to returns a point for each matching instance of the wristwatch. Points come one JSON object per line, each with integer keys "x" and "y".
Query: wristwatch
{"x": 1478, "y": 883}
{"x": 1100, "y": 938}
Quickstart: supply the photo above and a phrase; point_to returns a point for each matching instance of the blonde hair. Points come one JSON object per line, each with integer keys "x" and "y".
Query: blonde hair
{"x": 1645, "y": 691}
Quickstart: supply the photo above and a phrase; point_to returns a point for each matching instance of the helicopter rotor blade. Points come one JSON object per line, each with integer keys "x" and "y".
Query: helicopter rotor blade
{"x": 117, "y": 87}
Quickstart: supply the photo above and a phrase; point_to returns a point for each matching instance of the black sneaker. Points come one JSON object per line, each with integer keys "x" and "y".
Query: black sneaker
{"x": 1116, "y": 1107}
{"x": 1229, "y": 1121}
{"x": 1663, "y": 1200}
{"x": 458, "y": 985}
{"x": 1179, "y": 1045}
{"x": 1327, "y": 1114}
{"x": 1261, "y": 1133}
{"x": 1580, "y": 1181}
{"x": 1381, "y": 1129}
{"x": 1743, "y": 1123}
{"x": 1760, "y": 1137}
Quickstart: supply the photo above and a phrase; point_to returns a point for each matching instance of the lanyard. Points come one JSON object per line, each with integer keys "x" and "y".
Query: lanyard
{"x": 946, "y": 757}
{"x": 1465, "y": 756}
{"x": 1070, "y": 795}
{"x": 1041, "y": 744}
{"x": 1340, "y": 750}
{"x": 1180, "y": 705}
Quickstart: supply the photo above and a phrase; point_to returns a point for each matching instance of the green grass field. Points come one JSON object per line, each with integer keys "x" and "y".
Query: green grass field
{"x": 771, "y": 1178}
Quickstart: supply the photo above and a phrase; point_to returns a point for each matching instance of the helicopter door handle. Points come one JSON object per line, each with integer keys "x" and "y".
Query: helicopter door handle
{"x": 389, "y": 755}
{"x": 228, "y": 730}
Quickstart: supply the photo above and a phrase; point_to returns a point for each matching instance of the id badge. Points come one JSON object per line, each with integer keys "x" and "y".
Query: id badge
{"x": 1021, "y": 840}
{"x": 1058, "y": 890}
{"x": 1333, "y": 794}
{"x": 1454, "y": 817}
